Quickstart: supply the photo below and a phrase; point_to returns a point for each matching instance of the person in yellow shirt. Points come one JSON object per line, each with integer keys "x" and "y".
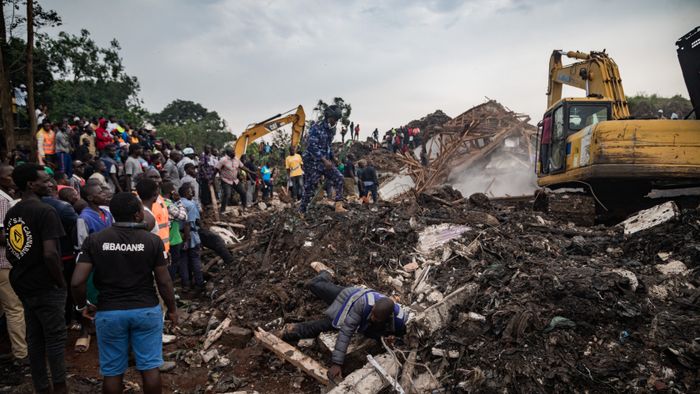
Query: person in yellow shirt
{"x": 46, "y": 143}
{"x": 293, "y": 163}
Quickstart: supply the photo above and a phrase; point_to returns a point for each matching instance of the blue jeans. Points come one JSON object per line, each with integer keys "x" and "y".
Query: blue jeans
{"x": 142, "y": 327}
{"x": 65, "y": 163}
{"x": 190, "y": 262}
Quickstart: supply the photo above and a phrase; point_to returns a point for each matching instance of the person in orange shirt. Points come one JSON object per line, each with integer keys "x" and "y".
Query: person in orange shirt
{"x": 46, "y": 144}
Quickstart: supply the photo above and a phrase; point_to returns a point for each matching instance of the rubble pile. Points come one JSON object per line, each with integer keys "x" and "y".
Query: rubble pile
{"x": 382, "y": 159}
{"x": 430, "y": 122}
{"x": 505, "y": 298}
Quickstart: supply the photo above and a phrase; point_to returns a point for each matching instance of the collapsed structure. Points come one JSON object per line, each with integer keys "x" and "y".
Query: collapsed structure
{"x": 488, "y": 148}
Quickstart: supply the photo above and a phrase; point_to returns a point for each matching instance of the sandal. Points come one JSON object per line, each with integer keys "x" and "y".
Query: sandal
{"x": 82, "y": 344}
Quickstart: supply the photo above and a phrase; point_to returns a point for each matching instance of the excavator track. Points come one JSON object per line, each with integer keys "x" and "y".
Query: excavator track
{"x": 575, "y": 207}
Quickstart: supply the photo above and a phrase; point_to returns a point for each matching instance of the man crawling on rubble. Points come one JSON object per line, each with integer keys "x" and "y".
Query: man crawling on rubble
{"x": 350, "y": 309}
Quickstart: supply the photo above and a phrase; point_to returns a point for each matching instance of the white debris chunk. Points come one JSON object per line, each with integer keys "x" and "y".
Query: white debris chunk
{"x": 435, "y": 236}
{"x": 673, "y": 267}
{"x": 651, "y": 217}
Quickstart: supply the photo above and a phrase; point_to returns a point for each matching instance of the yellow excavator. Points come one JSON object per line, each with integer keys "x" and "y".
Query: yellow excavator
{"x": 592, "y": 142}
{"x": 258, "y": 130}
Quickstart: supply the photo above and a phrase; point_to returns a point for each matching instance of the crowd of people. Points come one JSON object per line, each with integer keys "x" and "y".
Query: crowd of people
{"x": 401, "y": 139}
{"x": 75, "y": 255}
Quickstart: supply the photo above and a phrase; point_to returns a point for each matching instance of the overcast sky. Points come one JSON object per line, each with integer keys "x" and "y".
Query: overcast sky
{"x": 394, "y": 61}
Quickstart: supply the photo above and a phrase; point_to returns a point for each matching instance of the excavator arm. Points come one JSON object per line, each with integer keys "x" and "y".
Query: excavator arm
{"x": 596, "y": 73}
{"x": 258, "y": 130}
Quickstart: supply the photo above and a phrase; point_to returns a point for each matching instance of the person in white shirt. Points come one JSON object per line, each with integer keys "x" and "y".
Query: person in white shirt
{"x": 21, "y": 96}
{"x": 189, "y": 157}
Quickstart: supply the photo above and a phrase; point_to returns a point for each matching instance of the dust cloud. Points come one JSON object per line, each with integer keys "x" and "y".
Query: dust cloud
{"x": 504, "y": 175}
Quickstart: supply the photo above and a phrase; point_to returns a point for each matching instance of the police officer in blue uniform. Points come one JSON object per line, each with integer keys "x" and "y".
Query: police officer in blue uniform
{"x": 318, "y": 159}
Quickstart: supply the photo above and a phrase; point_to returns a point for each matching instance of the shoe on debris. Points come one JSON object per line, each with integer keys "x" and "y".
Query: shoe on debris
{"x": 339, "y": 207}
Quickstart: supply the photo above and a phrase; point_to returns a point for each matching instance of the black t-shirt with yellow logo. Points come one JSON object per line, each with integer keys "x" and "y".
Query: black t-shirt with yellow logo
{"x": 27, "y": 225}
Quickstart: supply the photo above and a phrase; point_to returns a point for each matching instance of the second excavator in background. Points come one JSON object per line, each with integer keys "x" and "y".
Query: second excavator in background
{"x": 258, "y": 130}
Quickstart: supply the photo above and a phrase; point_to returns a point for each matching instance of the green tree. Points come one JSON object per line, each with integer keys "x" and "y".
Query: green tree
{"x": 346, "y": 109}
{"x": 647, "y": 106}
{"x": 91, "y": 80}
{"x": 189, "y": 122}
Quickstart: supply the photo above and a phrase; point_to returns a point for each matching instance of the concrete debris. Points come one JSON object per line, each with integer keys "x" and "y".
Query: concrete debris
{"x": 651, "y": 217}
{"x": 433, "y": 237}
{"x": 410, "y": 267}
{"x": 388, "y": 378}
{"x": 438, "y": 315}
{"x": 396, "y": 187}
{"x": 444, "y": 353}
{"x": 209, "y": 355}
{"x": 367, "y": 380}
{"x": 630, "y": 276}
{"x": 236, "y": 337}
{"x": 673, "y": 267}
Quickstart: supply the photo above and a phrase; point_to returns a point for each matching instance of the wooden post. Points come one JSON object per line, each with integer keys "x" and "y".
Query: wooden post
{"x": 215, "y": 334}
{"x": 289, "y": 353}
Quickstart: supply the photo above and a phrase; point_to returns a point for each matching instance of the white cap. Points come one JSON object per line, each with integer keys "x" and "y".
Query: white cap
{"x": 188, "y": 151}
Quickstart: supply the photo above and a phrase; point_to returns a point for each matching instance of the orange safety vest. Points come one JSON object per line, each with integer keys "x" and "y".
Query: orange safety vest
{"x": 49, "y": 142}
{"x": 160, "y": 211}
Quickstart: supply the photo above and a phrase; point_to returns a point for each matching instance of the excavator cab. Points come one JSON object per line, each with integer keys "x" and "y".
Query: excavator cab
{"x": 565, "y": 118}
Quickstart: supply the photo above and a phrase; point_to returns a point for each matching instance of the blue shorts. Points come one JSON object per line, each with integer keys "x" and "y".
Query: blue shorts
{"x": 142, "y": 327}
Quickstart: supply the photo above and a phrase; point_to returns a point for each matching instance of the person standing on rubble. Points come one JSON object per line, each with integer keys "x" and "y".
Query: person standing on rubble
{"x": 228, "y": 168}
{"x": 318, "y": 159}
{"x": 368, "y": 180}
{"x": 293, "y": 164}
{"x": 350, "y": 309}
{"x": 126, "y": 259}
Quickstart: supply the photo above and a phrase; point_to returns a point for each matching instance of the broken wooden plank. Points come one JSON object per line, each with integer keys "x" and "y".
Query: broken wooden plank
{"x": 289, "y": 353}
{"x": 216, "y": 333}
{"x": 230, "y": 224}
{"x": 367, "y": 380}
{"x": 651, "y": 217}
